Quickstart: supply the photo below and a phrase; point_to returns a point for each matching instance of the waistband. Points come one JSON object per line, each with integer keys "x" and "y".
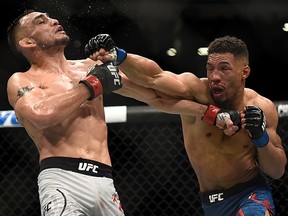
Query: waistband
{"x": 215, "y": 196}
{"x": 79, "y": 165}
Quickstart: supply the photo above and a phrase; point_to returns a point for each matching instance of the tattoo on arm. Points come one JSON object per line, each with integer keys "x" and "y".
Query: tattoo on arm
{"x": 23, "y": 91}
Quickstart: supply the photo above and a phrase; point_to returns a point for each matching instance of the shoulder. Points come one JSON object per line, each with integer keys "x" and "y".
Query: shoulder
{"x": 15, "y": 82}
{"x": 264, "y": 103}
{"x": 197, "y": 88}
{"x": 17, "y": 78}
{"x": 254, "y": 98}
{"x": 84, "y": 62}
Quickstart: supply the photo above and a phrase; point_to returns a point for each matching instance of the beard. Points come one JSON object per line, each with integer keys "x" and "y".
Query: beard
{"x": 45, "y": 45}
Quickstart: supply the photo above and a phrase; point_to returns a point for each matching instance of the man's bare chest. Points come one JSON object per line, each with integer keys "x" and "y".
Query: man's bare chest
{"x": 57, "y": 83}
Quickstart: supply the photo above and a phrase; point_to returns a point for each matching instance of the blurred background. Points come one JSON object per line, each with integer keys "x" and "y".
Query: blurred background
{"x": 151, "y": 27}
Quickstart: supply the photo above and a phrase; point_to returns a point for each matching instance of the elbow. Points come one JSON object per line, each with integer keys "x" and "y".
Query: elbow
{"x": 282, "y": 169}
{"x": 43, "y": 120}
{"x": 278, "y": 173}
{"x": 39, "y": 115}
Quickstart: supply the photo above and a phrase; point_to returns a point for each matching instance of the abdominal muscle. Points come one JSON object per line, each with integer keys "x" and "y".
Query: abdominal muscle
{"x": 82, "y": 135}
{"x": 219, "y": 161}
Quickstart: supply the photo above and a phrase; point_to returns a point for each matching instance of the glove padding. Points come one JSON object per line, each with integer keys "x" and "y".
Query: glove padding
{"x": 212, "y": 113}
{"x": 107, "y": 43}
{"x": 102, "y": 79}
{"x": 255, "y": 121}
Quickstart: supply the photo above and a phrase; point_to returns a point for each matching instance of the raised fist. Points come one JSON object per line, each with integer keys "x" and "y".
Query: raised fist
{"x": 102, "y": 79}
{"x": 255, "y": 123}
{"x": 220, "y": 117}
{"x": 117, "y": 55}
{"x": 99, "y": 41}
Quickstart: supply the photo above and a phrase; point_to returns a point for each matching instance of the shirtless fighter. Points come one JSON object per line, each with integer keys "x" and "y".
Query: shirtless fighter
{"x": 231, "y": 170}
{"x": 60, "y": 104}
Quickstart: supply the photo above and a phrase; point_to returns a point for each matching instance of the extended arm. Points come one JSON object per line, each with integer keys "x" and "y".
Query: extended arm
{"x": 170, "y": 89}
{"x": 146, "y": 72}
{"x": 228, "y": 120}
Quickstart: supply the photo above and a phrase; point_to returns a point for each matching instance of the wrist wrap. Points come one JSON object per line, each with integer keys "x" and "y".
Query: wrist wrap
{"x": 211, "y": 114}
{"x": 121, "y": 55}
{"x": 94, "y": 86}
{"x": 262, "y": 141}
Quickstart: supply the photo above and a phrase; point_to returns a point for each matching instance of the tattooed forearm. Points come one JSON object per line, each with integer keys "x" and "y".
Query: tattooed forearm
{"x": 23, "y": 91}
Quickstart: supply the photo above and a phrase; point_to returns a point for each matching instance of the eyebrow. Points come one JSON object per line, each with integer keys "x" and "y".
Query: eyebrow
{"x": 42, "y": 15}
{"x": 220, "y": 63}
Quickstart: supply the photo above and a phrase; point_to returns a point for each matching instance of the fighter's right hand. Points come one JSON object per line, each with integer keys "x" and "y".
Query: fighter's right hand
{"x": 102, "y": 79}
{"x": 117, "y": 55}
{"x": 223, "y": 118}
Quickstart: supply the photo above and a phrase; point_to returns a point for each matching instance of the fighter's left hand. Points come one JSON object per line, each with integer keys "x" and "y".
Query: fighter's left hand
{"x": 102, "y": 47}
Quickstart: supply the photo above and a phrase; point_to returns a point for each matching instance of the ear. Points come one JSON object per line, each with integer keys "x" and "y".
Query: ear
{"x": 27, "y": 42}
{"x": 245, "y": 72}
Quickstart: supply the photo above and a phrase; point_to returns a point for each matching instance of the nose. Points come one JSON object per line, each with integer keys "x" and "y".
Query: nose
{"x": 54, "y": 22}
{"x": 215, "y": 76}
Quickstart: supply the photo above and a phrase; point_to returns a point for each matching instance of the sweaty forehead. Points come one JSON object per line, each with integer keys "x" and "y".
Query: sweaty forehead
{"x": 220, "y": 57}
{"x": 27, "y": 19}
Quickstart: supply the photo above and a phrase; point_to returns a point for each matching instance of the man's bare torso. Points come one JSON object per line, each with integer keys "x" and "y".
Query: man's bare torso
{"x": 219, "y": 161}
{"x": 84, "y": 133}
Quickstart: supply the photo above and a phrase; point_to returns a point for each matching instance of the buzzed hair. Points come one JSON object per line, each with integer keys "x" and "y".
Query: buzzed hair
{"x": 12, "y": 33}
{"x": 229, "y": 44}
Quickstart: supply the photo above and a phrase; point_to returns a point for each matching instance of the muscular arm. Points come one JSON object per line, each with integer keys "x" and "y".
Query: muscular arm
{"x": 272, "y": 157}
{"x": 170, "y": 104}
{"x": 170, "y": 89}
{"x": 32, "y": 103}
{"x": 147, "y": 73}
{"x": 159, "y": 100}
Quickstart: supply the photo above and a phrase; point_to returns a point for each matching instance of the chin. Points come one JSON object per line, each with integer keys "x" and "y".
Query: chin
{"x": 220, "y": 102}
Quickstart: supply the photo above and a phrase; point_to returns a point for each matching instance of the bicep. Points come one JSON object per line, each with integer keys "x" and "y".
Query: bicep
{"x": 17, "y": 87}
{"x": 133, "y": 90}
{"x": 272, "y": 120}
{"x": 185, "y": 85}
{"x": 23, "y": 95}
{"x": 159, "y": 100}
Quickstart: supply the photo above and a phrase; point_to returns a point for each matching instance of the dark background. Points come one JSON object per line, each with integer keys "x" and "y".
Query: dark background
{"x": 150, "y": 27}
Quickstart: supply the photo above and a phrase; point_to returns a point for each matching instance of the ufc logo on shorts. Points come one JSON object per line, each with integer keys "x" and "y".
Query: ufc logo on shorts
{"x": 88, "y": 167}
{"x": 216, "y": 197}
{"x": 114, "y": 72}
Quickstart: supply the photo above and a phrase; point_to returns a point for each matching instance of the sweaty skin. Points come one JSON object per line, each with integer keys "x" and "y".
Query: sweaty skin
{"x": 219, "y": 161}
{"x": 53, "y": 107}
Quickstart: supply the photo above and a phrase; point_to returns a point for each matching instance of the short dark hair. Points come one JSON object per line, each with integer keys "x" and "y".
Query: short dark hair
{"x": 229, "y": 44}
{"x": 12, "y": 32}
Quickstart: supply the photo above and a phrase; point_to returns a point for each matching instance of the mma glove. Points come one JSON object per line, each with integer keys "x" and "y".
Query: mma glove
{"x": 106, "y": 42}
{"x": 256, "y": 125}
{"x": 102, "y": 79}
{"x": 212, "y": 113}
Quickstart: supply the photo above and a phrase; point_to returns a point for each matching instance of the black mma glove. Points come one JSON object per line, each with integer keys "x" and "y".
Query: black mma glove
{"x": 102, "y": 79}
{"x": 256, "y": 125}
{"x": 213, "y": 112}
{"x": 106, "y": 42}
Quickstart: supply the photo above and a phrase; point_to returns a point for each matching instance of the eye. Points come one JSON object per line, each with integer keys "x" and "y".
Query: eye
{"x": 225, "y": 68}
{"x": 209, "y": 68}
{"x": 41, "y": 20}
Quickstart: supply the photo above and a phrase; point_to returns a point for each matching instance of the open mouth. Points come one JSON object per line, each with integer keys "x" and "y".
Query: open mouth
{"x": 60, "y": 29}
{"x": 217, "y": 91}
